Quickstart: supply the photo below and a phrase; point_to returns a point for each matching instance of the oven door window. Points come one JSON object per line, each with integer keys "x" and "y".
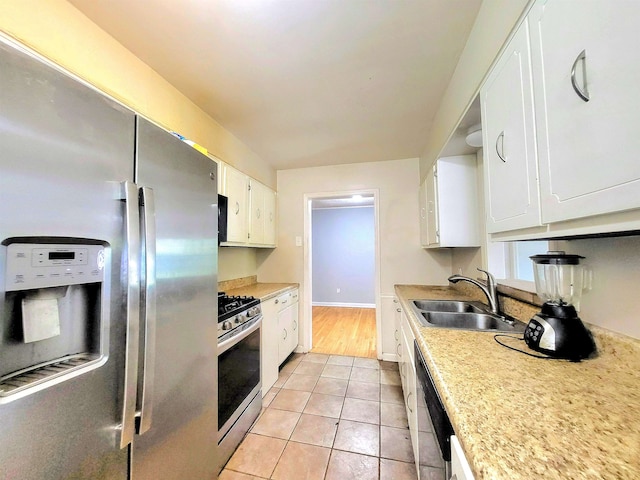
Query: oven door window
{"x": 238, "y": 375}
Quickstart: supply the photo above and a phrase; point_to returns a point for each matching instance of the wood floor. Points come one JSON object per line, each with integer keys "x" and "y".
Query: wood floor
{"x": 344, "y": 331}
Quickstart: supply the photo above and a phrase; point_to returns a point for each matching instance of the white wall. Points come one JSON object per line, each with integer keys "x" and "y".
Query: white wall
{"x": 402, "y": 260}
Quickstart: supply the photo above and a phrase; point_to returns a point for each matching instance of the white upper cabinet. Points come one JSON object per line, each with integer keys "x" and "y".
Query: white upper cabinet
{"x": 256, "y": 227}
{"x": 448, "y": 204}
{"x": 586, "y": 66}
{"x": 508, "y": 128}
{"x": 220, "y": 174}
{"x": 270, "y": 219}
{"x": 251, "y": 210}
{"x": 559, "y": 114}
{"x": 262, "y": 230}
{"x": 237, "y": 191}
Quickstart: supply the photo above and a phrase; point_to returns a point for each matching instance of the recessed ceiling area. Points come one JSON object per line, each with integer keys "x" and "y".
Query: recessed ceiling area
{"x": 305, "y": 82}
{"x": 343, "y": 201}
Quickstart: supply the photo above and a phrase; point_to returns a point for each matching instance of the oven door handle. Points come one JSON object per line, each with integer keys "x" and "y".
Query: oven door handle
{"x": 227, "y": 344}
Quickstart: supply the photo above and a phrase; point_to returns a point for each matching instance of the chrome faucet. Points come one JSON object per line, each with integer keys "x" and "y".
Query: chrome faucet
{"x": 490, "y": 290}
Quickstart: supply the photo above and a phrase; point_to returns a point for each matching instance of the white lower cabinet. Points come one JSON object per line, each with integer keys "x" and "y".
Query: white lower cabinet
{"x": 408, "y": 378}
{"x": 390, "y": 335}
{"x": 460, "y": 469}
{"x": 269, "y": 345}
{"x": 287, "y": 324}
{"x": 279, "y": 335}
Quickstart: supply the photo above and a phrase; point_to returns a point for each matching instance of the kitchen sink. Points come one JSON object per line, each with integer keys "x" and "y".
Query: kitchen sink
{"x": 463, "y": 316}
{"x": 471, "y": 321}
{"x": 449, "y": 306}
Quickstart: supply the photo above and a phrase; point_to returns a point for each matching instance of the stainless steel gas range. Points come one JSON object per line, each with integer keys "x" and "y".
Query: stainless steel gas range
{"x": 239, "y": 387}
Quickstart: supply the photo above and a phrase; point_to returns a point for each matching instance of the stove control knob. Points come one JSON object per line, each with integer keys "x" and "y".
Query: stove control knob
{"x": 252, "y": 312}
{"x": 238, "y": 319}
{"x": 226, "y": 325}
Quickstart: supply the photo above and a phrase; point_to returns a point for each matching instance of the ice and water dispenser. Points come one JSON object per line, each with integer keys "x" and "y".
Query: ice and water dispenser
{"x": 55, "y": 315}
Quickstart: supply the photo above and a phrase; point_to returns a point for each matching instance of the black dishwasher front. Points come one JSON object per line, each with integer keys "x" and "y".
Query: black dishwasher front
{"x": 431, "y": 409}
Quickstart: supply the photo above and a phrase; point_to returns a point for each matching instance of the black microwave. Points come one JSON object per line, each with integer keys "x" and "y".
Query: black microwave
{"x": 222, "y": 218}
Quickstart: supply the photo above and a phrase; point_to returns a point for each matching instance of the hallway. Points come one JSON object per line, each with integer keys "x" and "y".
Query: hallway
{"x": 344, "y": 331}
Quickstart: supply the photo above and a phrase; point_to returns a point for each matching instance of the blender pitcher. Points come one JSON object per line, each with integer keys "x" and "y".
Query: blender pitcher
{"x": 559, "y": 278}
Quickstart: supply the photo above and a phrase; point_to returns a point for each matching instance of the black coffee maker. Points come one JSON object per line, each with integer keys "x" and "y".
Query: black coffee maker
{"x": 557, "y": 330}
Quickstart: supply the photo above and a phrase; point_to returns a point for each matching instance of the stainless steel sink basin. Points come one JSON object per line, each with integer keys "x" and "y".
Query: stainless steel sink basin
{"x": 464, "y": 316}
{"x": 471, "y": 321}
{"x": 449, "y": 306}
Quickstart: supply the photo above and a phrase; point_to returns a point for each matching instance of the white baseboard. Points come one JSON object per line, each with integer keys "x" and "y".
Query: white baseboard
{"x": 390, "y": 357}
{"x": 347, "y": 305}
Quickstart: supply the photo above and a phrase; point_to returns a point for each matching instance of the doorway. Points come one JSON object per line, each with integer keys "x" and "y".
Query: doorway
{"x": 341, "y": 268}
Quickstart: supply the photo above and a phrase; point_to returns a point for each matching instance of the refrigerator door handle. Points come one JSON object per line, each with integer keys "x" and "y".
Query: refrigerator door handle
{"x": 131, "y": 270}
{"x": 145, "y": 387}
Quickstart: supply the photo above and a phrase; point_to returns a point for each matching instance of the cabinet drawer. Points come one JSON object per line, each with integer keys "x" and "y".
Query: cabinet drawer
{"x": 283, "y": 300}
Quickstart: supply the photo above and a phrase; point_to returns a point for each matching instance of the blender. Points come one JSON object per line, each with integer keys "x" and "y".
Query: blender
{"x": 557, "y": 330}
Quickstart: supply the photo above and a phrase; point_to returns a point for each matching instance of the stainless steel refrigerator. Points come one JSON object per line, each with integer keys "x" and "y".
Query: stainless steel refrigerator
{"x": 108, "y": 257}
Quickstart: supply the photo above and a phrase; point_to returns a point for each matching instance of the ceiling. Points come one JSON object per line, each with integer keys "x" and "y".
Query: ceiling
{"x": 302, "y": 82}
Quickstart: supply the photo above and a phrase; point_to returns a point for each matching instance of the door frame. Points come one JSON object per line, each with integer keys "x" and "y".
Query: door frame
{"x": 307, "y": 322}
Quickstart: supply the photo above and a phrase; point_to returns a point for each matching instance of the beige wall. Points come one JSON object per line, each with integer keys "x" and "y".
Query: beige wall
{"x": 236, "y": 262}
{"x": 58, "y": 31}
{"x": 402, "y": 260}
{"x": 612, "y": 302}
{"x": 494, "y": 23}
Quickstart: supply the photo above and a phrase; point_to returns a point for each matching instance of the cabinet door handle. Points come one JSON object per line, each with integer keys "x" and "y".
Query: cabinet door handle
{"x": 285, "y": 334}
{"x": 395, "y": 334}
{"x": 583, "y": 92}
{"x": 277, "y": 301}
{"x": 237, "y": 208}
{"x": 500, "y": 151}
{"x": 258, "y": 213}
{"x": 398, "y": 350}
{"x": 408, "y": 397}
{"x": 295, "y": 324}
{"x": 398, "y": 310}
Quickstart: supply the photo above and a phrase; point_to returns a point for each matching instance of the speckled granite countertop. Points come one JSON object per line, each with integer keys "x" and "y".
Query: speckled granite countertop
{"x": 263, "y": 291}
{"x": 519, "y": 417}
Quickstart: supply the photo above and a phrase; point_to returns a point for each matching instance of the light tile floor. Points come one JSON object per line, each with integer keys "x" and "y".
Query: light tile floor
{"x": 329, "y": 417}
